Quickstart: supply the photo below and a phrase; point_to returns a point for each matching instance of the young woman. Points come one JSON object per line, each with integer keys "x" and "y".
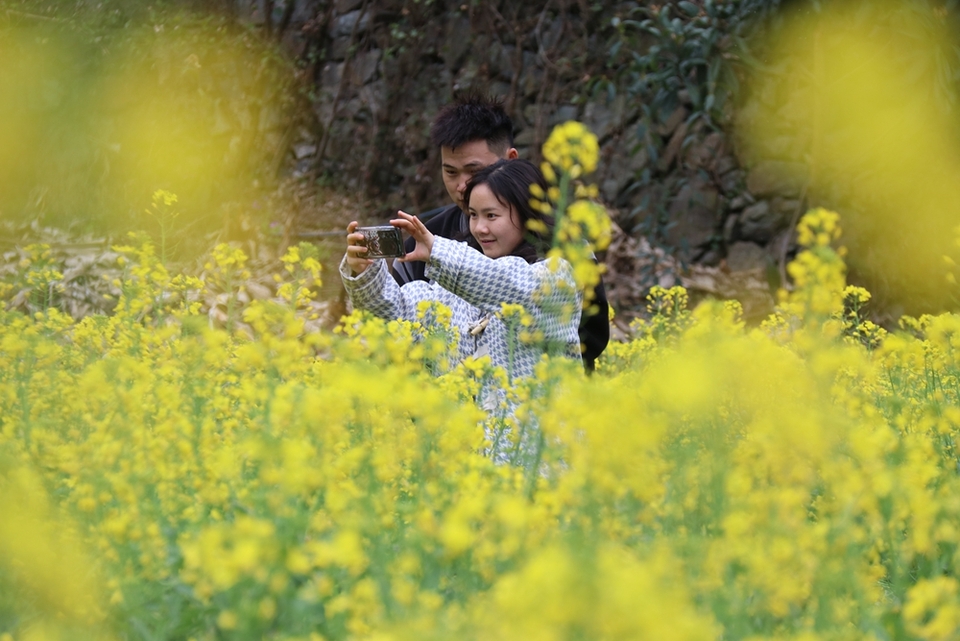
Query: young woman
{"x": 508, "y": 268}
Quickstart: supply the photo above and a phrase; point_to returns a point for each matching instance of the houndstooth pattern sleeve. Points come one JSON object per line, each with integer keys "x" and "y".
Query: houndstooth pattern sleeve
{"x": 490, "y": 282}
{"x": 376, "y": 291}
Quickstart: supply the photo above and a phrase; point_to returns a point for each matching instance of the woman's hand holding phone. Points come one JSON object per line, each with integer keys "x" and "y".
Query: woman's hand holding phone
{"x": 356, "y": 249}
{"x": 413, "y": 226}
{"x": 357, "y": 242}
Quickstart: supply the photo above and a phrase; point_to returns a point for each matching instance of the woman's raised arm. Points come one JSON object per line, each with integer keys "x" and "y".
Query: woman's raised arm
{"x": 489, "y": 282}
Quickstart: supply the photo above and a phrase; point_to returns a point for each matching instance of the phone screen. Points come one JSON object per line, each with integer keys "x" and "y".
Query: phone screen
{"x": 384, "y": 241}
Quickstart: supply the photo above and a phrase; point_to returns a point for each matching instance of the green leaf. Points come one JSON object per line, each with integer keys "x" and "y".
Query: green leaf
{"x": 694, "y": 94}
{"x": 689, "y": 8}
{"x": 713, "y": 71}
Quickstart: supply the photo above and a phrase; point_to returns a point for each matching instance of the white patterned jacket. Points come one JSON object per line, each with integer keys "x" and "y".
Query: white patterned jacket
{"x": 474, "y": 287}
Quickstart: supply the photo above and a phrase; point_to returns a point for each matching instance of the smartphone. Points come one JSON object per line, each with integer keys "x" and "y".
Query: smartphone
{"x": 382, "y": 241}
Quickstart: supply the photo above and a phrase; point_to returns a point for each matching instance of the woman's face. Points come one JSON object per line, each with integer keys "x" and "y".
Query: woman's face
{"x": 495, "y": 225}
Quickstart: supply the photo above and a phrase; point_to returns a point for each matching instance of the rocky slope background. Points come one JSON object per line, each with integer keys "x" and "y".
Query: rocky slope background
{"x": 276, "y": 121}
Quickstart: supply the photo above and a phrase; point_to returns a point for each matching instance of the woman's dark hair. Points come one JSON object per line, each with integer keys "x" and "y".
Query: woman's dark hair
{"x": 509, "y": 181}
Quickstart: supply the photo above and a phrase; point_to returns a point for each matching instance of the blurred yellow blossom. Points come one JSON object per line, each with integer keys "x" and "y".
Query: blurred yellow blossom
{"x": 572, "y": 147}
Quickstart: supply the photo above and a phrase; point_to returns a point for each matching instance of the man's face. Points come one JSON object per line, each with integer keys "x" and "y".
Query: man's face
{"x": 459, "y": 164}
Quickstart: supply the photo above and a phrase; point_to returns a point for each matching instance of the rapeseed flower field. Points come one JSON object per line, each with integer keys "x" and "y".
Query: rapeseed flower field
{"x": 161, "y": 478}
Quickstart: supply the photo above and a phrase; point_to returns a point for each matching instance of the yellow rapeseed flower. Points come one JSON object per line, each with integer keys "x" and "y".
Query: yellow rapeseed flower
{"x": 571, "y": 147}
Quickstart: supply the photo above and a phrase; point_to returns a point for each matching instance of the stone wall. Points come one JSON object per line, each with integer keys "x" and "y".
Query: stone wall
{"x": 381, "y": 70}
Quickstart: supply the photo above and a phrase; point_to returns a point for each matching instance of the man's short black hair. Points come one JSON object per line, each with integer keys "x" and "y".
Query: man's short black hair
{"x": 470, "y": 117}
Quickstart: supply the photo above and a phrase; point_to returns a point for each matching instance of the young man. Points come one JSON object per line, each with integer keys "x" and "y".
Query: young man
{"x": 472, "y": 133}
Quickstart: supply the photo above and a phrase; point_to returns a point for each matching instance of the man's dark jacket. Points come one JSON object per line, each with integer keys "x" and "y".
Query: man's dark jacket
{"x": 449, "y": 222}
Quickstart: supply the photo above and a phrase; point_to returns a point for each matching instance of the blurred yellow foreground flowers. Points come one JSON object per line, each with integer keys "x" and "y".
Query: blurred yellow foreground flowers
{"x": 164, "y": 478}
